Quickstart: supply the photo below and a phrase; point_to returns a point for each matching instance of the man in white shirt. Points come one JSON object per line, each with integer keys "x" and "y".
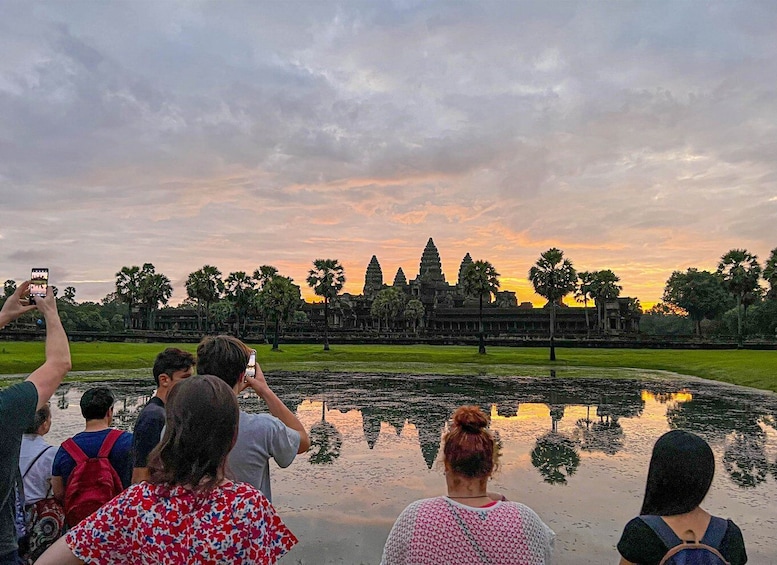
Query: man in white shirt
{"x": 279, "y": 434}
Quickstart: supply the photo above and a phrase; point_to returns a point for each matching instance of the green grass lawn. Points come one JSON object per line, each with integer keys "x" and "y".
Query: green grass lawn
{"x": 756, "y": 369}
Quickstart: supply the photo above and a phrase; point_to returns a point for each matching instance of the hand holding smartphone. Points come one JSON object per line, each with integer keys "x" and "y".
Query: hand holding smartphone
{"x": 39, "y": 283}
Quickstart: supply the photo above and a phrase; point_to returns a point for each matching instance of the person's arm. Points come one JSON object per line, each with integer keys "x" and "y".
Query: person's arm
{"x": 278, "y": 408}
{"x": 47, "y": 377}
{"x": 58, "y": 488}
{"x": 59, "y": 554}
{"x": 15, "y": 306}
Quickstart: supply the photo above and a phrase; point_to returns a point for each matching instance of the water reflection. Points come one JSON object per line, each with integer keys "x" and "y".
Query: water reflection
{"x": 325, "y": 441}
{"x": 733, "y": 419}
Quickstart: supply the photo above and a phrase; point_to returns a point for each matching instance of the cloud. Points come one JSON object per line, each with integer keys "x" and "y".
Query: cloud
{"x": 638, "y": 137}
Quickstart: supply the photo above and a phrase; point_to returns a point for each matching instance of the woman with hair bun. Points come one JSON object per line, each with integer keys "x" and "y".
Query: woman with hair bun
{"x": 679, "y": 476}
{"x": 469, "y": 525}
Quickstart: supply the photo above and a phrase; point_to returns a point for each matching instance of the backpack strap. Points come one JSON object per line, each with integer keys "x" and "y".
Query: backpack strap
{"x": 72, "y": 449}
{"x": 662, "y": 530}
{"x": 110, "y": 439}
{"x": 715, "y": 532}
{"x": 38, "y": 456}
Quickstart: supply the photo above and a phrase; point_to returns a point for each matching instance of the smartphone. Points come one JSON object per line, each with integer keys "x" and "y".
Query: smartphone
{"x": 251, "y": 367}
{"x": 39, "y": 283}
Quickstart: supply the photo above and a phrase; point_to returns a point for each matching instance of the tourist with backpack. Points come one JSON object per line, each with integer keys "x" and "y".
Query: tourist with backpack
{"x": 95, "y": 465}
{"x": 188, "y": 512}
{"x": 44, "y": 517}
{"x": 673, "y": 529}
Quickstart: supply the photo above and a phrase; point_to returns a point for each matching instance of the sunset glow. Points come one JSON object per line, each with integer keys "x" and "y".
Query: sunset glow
{"x": 637, "y": 137}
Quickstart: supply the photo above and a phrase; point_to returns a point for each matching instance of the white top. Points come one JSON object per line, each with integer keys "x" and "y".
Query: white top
{"x": 38, "y": 480}
{"x": 441, "y": 531}
{"x": 260, "y": 437}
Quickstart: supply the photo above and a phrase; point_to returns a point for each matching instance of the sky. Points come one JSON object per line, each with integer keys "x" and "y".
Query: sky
{"x": 635, "y": 136}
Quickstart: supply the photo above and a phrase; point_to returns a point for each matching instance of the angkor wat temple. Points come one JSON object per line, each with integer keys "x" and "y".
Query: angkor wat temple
{"x": 449, "y": 311}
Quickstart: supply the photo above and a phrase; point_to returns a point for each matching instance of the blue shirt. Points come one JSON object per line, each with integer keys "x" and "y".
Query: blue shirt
{"x": 90, "y": 443}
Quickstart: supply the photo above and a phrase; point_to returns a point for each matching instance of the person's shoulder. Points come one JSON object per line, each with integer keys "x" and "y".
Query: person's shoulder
{"x": 18, "y": 395}
{"x": 258, "y": 421}
{"x": 125, "y": 440}
{"x": 243, "y": 495}
{"x": 733, "y": 528}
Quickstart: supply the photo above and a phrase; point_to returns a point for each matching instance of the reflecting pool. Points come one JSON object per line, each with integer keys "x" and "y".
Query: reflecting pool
{"x": 574, "y": 449}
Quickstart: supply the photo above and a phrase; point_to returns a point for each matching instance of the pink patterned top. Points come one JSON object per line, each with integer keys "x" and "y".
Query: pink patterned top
{"x": 153, "y": 524}
{"x": 439, "y": 531}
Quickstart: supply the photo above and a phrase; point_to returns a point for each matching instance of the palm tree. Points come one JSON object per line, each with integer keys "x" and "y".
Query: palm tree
{"x": 553, "y": 277}
{"x": 414, "y": 312}
{"x": 326, "y": 278}
{"x": 770, "y": 273}
{"x": 206, "y": 287}
{"x": 583, "y": 293}
{"x": 740, "y": 272}
{"x": 280, "y": 297}
{"x": 480, "y": 279}
{"x": 154, "y": 288}
{"x": 70, "y": 295}
{"x": 388, "y": 303}
{"x": 9, "y": 287}
{"x": 240, "y": 290}
{"x": 127, "y": 281}
{"x": 262, "y": 275}
{"x": 605, "y": 287}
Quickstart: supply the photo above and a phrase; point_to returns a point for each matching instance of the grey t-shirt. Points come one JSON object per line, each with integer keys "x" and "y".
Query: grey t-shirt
{"x": 260, "y": 437}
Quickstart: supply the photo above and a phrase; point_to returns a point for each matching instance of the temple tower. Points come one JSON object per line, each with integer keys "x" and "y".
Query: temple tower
{"x": 431, "y": 267}
{"x": 400, "y": 281}
{"x": 464, "y": 263}
{"x": 373, "y": 278}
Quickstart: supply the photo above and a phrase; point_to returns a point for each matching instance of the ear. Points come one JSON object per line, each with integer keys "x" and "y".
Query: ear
{"x": 164, "y": 380}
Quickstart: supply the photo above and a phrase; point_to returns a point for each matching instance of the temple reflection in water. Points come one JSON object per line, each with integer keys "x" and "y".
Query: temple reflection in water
{"x": 569, "y": 417}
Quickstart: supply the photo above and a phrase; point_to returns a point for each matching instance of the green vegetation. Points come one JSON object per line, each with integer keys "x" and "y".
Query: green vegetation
{"x": 756, "y": 369}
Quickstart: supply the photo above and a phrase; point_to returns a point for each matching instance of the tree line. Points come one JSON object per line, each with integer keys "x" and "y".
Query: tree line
{"x": 731, "y": 296}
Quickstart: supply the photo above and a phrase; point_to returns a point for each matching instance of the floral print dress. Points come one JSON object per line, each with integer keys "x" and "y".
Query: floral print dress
{"x": 156, "y": 524}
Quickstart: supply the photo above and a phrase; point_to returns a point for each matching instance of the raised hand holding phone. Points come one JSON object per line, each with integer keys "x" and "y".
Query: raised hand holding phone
{"x": 39, "y": 283}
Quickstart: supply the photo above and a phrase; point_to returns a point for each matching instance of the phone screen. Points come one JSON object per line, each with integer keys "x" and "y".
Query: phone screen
{"x": 251, "y": 367}
{"x": 39, "y": 282}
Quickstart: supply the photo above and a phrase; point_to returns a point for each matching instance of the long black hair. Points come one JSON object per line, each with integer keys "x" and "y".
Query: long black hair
{"x": 680, "y": 474}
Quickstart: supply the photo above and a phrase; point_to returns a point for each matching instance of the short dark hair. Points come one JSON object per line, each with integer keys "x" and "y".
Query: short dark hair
{"x": 96, "y": 402}
{"x": 201, "y": 418}
{"x": 680, "y": 474}
{"x": 171, "y": 360}
{"x": 224, "y": 356}
{"x": 470, "y": 448}
{"x": 41, "y": 416}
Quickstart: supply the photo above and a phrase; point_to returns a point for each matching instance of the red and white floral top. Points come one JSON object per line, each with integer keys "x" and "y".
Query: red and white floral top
{"x": 155, "y": 524}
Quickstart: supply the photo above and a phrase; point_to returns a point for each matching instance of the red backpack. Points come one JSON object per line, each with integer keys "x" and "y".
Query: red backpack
{"x": 93, "y": 481}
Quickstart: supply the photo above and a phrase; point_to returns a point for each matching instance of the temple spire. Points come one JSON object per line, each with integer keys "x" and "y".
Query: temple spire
{"x": 373, "y": 277}
{"x": 430, "y": 268}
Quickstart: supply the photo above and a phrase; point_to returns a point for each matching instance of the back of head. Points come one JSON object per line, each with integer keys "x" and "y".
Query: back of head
{"x": 680, "y": 474}
{"x": 201, "y": 418}
{"x": 96, "y": 402}
{"x": 41, "y": 416}
{"x": 171, "y": 360}
{"x": 224, "y": 356}
{"x": 470, "y": 449}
